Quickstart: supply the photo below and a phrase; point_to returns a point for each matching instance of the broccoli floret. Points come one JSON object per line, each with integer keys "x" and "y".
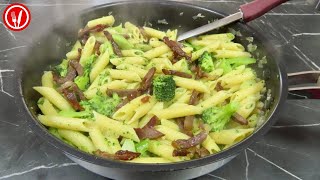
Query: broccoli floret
{"x": 164, "y": 88}
{"x": 62, "y": 68}
{"x": 206, "y": 62}
{"x": 218, "y": 117}
{"x": 238, "y": 61}
{"x": 84, "y": 80}
{"x": 142, "y": 147}
{"x": 73, "y": 114}
{"x": 102, "y": 104}
{"x": 225, "y": 65}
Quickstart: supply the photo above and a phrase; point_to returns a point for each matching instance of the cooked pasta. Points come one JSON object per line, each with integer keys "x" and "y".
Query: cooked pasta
{"x": 134, "y": 94}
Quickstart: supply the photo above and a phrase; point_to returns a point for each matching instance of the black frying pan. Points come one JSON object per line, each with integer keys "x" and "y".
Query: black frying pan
{"x": 53, "y": 48}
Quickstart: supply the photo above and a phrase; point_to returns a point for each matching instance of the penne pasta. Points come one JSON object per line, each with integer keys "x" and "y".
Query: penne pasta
{"x": 126, "y": 75}
{"x": 87, "y": 50}
{"x": 78, "y": 139}
{"x": 191, "y": 84}
{"x": 230, "y": 136}
{"x": 134, "y": 79}
{"x": 106, "y": 20}
{"x": 178, "y": 111}
{"x": 47, "y": 79}
{"x": 75, "y": 124}
{"x": 54, "y": 97}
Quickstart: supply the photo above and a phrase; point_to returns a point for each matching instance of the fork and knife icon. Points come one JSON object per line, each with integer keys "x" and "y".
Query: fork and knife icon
{"x": 16, "y": 21}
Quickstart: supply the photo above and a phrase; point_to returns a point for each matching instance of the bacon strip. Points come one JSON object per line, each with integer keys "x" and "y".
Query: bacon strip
{"x": 79, "y": 54}
{"x": 145, "y": 99}
{"x": 176, "y": 73}
{"x": 148, "y": 131}
{"x": 125, "y": 36}
{"x": 74, "y": 87}
{"x": 72, "y": 98}
{"x": 119, "y": 155}
{"x": 115, "y": 46}
{"x": 97, "y": 47}
{"x": 218, "y": 87}
{"x": 194, "y": 99}
{"x": 178, "y": 53}
{"x": 152, "y": 122}
{"x": 239, "y": 119}
{"x": 147, "y": 80}
{"x": 180, "y": 152}
{"x": 77, "y": 66}
{"x": 133, "y": 95}
{"x": 86, "y": 30}
{"x": 198, "y": 71}
{"x": 71, "y": 74}
{"x": 191, "y": 142}
{"x": 143, "y": 33}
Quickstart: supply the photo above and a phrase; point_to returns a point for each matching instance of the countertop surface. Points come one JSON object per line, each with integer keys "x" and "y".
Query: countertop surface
{"x": 290, "y": 150}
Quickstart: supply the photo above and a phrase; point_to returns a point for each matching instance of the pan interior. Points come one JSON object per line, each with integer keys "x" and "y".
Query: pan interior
{"x": 53, "y": 46}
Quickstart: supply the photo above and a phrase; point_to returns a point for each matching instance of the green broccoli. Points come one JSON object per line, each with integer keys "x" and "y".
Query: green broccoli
{"x": 84, "y": 80}
{"x": 62, "y": 68}
{"x": 102, "y": 104}
{"x": 164, "y": 88}
{"x": 142, "y": 147}
{"x": 206, "y": 62}
{"x": 238, "y": 61}
{"x": 225, "y": 65}
{"x": 218, "y": 117}
{"x": 122, "y": 42}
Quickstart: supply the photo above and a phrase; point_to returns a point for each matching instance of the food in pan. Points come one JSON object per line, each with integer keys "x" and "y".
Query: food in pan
{"x": 135, "y": 94}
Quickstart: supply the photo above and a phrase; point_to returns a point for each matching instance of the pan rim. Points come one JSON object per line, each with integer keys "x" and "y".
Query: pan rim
{"x": 39, "y": 129}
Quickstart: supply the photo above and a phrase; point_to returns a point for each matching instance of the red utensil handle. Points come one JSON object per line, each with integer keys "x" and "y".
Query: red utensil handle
{"x": 258, "y": 8}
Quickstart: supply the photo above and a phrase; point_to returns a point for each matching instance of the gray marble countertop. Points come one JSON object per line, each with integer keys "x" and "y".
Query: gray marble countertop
{"x": 290, "y": 150}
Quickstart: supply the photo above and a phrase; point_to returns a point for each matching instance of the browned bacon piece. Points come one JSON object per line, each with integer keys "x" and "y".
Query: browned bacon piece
{"x": 115, "y": 46}
{"x": 147, "y": 80}
{"x": 191, "y": 142}
{"x": 176, "y": 49}
{"x": 176, "y": 73}
{"x": 148, "y": 131}
{"x": 119, "y": 155}
{"x": 72, "y": 99}
{"x": 77, "y": 66}
{"x": 239, "y": 119}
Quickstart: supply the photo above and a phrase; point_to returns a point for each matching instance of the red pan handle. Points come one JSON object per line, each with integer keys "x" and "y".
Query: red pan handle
{"x": 258, "y": 8}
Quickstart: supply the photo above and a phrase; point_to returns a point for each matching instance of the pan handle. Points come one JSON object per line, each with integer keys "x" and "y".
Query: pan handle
{"x": 304, "y": 85}
{"x": 258, "y": 8}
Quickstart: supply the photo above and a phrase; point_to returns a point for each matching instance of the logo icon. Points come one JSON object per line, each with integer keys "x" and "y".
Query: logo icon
{"x": 16, "y": 17}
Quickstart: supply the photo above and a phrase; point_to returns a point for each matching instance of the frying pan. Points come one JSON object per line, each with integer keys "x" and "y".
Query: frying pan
{"x": 54, "y": 45}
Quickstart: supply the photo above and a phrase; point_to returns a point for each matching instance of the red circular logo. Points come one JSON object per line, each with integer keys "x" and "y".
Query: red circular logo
{"x": 16, "y": 17}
